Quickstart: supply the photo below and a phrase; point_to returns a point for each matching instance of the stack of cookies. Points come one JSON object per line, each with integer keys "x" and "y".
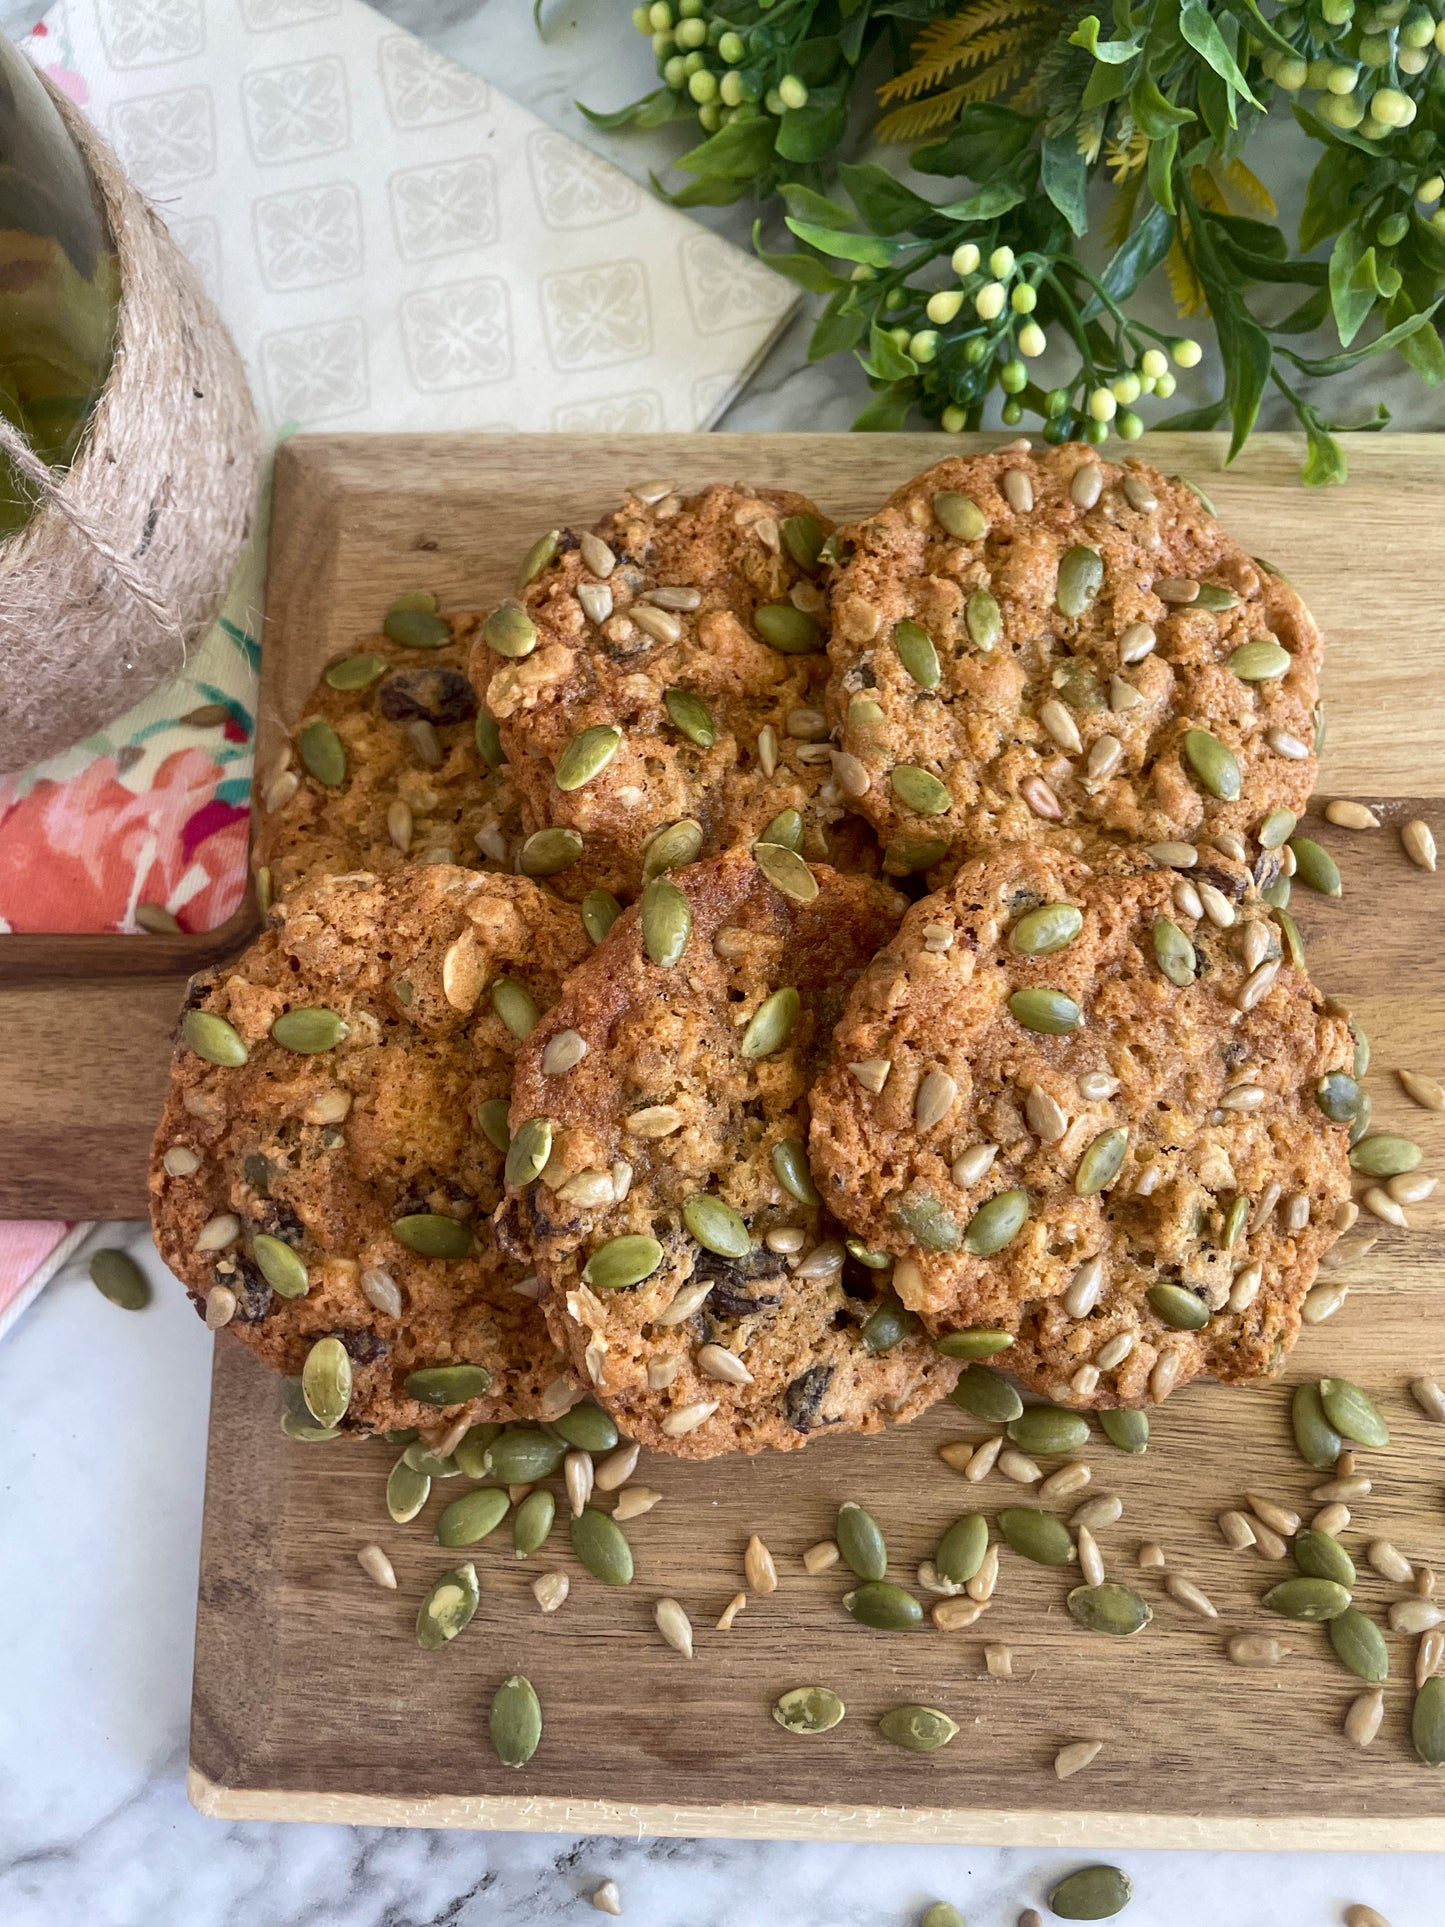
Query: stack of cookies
{"x": 762, "y": 965}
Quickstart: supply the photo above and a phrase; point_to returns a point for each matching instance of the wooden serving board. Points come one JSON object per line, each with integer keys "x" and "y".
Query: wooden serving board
{"x": 312, "y": 1700}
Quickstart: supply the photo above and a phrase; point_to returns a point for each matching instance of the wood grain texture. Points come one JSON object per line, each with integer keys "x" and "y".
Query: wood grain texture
{"x": 312, "y": 1700}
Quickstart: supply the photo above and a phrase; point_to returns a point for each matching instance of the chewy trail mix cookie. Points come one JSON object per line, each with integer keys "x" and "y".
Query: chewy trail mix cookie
{"x": 393, "y": 761}
{"x": 328, "y": 1158}
{"x": 658, "y": 683}
{"x": 1054, "y": 647}
{"x": 1093, "y": 1110}
{"x": 659, "y": 1124}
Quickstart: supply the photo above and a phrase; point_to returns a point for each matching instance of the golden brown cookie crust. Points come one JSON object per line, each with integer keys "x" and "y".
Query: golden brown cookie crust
{"x": 726, "y": 549}
{"x": 672, "y": 1037}
{"x": 325, "y": 1151}
{"x": 416, "y": 789}
{"x": 1114, "y": 764}
{"x": 1175, "y": 1067}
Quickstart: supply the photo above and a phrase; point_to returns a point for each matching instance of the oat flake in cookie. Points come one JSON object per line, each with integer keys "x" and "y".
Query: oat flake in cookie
{"x": 375, "y": 1064}
{"x": 414, "y": 780}
{"x": 1053, "y": 646}
{"x": 708, "y": 1302}
{"x": 668, "y": 668}
{"x": 1076, "y": 1110}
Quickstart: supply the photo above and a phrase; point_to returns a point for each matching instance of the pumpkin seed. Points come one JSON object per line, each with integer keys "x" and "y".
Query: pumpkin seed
{"x": 1338, "y": 1096}
{"x": 786, "y": 870}
{"x": 431, "y": 1235}
{"x": 600, "y": 910}
{"x": 982, "y": 618}
{"x": 1276, "y": 894}
{"x": 1359, "y": 1645}
{"x": 311, "y": 1030}
{"x": 1318, "y": 1442}
{"x": 587, "y": 1427}
{"x": 1110, "y": 1608}
{"x": 1173, "y": 952}
{"x": 1427, "y": 1723}
{"x": 917, "y": 1729}
{"x": 510, "y": 631}
{"x": 1294, "y": 947}
{"x": 412, "y": 620}
{"x": 1081, "y": 576}
{"x": 356, "y": 672}
{"x": 978, "y": 1343}
{"x": 488, "y": 738}
{"x": 516, "y": 1006}
{"x": 600, "y": 1543}
{"x": 548, "y": 852}
{"x": 961, "y": 1549}
{"x": 1385, "y": 1155}
{"x": 472, "y": 1517}
{"x": 920, "y": 791}
{"x": 790, "y": 1167}
{"x": 1260, "y": 661}
{"x": 322, "y": 753}
{"x": 1307, "y": 1599}
{"x": 1128, "y": 1430}
{"x": 860, "y": 1541}
{"x": 1315, "y": 867}
{"x": 960, "y": 515}
{"x": 1360, "y": 1123}
{"x": 688, "y": 712}
{"x": 792, "y": 632}
{"x": 515, "y": 1721}
{"x": 917, "y": 653}
{"x": 1177, "y": 1307}
{"x": 326, "y": 1381}
{"x": 211, "y": 1037}
{"x": 448, "y": 1608}
{"x": 875, "y": 1260}
{"x": 905, "y": 856}
{"x": 929, "y": 1224}
{"x": 803, "y": 539}
{"x": 666, "y": 920}
{"x": 1039, "y": 933}
{"x": 1101, "y": 1162}
{"x": 529, "y": 1151}
{"x": 672, "y": 848}
{"x": 1352, "y": 1413}
{"x": 772, "y": 1023}
{"x": 282, "y": 1269}
{"x": 492, "y": 1120}
{"x": 447, "y": 1384}
{"x": 1048, "y": 1011}
{"x": 117, "y": 1276}
{"x": 1276, "y": 828}
{"x": 622, "y": 1262}
{"x": 996, "y": 1223}
{"x": 542, "y": 551}
{"x": 884, "y": 1606}
{"x": 521, "y": 1454}
{"x": 1318, "y": 1556}
{"x": 407, "y": 1491}
{"x": 1049, "y": 1430}
{"x": 716, "y": 1226}
{"x": 808, "y": 1709}
{"x": 983, "y": 1394}
{"x": 1213, "y": 763}
{"x": 886, "y": 1326}
{"x": 1093, "y": 1893}
{"x": 532, "y": 1522}
{"x": 1036, "y": 1535}
{"x": 1214, "y": 596}
{"x": 587, "y": 755}
{"x": 421, "y": 1458}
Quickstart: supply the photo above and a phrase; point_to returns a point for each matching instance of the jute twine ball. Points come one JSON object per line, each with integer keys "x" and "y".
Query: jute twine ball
{"x": 128, "y": 554}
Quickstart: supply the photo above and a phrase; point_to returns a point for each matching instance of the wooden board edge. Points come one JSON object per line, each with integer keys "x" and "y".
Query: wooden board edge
{"x": 921, "y": 1826}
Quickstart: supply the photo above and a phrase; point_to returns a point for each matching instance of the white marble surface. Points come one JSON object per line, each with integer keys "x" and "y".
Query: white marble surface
{"x": 100, "y": 1493}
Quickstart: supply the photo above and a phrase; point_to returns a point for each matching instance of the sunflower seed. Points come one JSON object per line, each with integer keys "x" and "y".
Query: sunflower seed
{"x": 1323, "y": 1301}
{"x": 1151, "y": 1557}
{"x": 1114, "y": 1351}
{"x": 1429, "y": 1397}
{"x": 1073, "y": 1758}
{"x": 717, "y": 1362}
{"x": 822, "y": 1261}
{"x": 674, "y": 1625}
{"x": 1236, "y": 1531}
{"x": 1257, "y": 985}
{"x": 1018, "y": 490}
{"x": 1429, "y": 1656}
{"x": 1256, "y": 1649}
{"x": 1186, "y": 1593}
{"x": 1061, "y": 726}
{"x": 1419, "y": 842}
{"x": 758, "y": 1567}
{"x": 1362, "y": 1723}
{"x": 953, "y": 1615}
{"x": 1091, "y": 1560}
{"x": 1277, "y": 1517}
{"x": 1415, "y": 1616}
{"x": 548, "y": 853}
{"x": 606, "y": 1899}
{"x": 972, "y": 1165}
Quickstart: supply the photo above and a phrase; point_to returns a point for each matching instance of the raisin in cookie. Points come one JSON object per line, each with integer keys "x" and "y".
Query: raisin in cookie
{"x": 328, "y": 1158}
{"x": 1055, "y": 647}
{"x": 659, "y": 1120}
{"x": 391, "y": 762}
{"x": 1079, "y": 1103}
{"x": 667, "y": 669}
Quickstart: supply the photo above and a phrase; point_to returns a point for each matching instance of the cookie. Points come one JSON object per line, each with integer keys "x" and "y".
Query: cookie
{"x": 1053, "y": 647}
{"x": 684, "y": 1259}
{"x": 667, "y": 668}
{"x": 372, "y": 1041}
{"x": 1078, "y": 1104}
{"x": 399, "y": 771}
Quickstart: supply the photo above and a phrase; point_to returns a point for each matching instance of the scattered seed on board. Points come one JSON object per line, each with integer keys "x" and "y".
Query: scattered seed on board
{"x": 377, "y": 1567}
{"x": 549, "y": 1590}
{"x": 1419, "y": 842}
{"x": 1429, "y": 1655}
{"x": 999, "y": 1660}
{"x": 1091, "y": 1560}
{"x": 1073, "y": 1758}
{"x": 952, "y": 1615}
{"x": 1186, "y": 1593}
{"x": 674, "y": 1625}
{"x": 1256, "y": 1649}
{"x": 1151, "y": 1557}
{"x": 1277, "y": 1517}
{"x": 730, "y": 1612}
{"x": 1362, "y": 1722}
{"x": 758, "y": 1567}
{"x": 1425, "y": 1091}
{"x": 1430, "y": 1398}
{"x": 1236, "y": 1531}
{"x": 607, "y": 1900}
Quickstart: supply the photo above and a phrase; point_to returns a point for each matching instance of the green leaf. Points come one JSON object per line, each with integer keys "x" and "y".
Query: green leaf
{"x": 1324, "y": 465}
{"x": 872, "y": 250}
{"x": 808, "y": 205}
{"x": 812, "y": 132}
{"x": 1248, "y": 354}
{"x": 738, "y": 151}
{"x": 1381, "y": 345}
{"x": 1065, "y": 178}
{"x": 1216, "y": 106}
{"x": 712, "y": 190}
{"x": 1354, "y": 283}
{"x": 1112, "y": 52}
{"x": 1141, "y": 253}
{"x": 885, "y": 204}
{"x": 1201, "y": 30}
{"x": 1330, "y": 198}
{"x": 886, "y": 411}
{"x": 651, "y": 111}
{"x": 855, "y": 30}
{"x": 816, "y": 61}
{"x": 1153, "y": 114}
{"x": 835, "y": 334}
{"x": 886, "y": 360}
{"x": 1191, "y": 419}
{"x": 1423, "y": 349}
{"x": 984, "y": 141}
{"x": 1106, "y": 84}
{"x": 803, "y": 269}
{"x": 994, "y": 198}
{"x": 1250, "y": 17}
{"x": 1162, "y": 155}
{"x": 1308, "y": 316}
